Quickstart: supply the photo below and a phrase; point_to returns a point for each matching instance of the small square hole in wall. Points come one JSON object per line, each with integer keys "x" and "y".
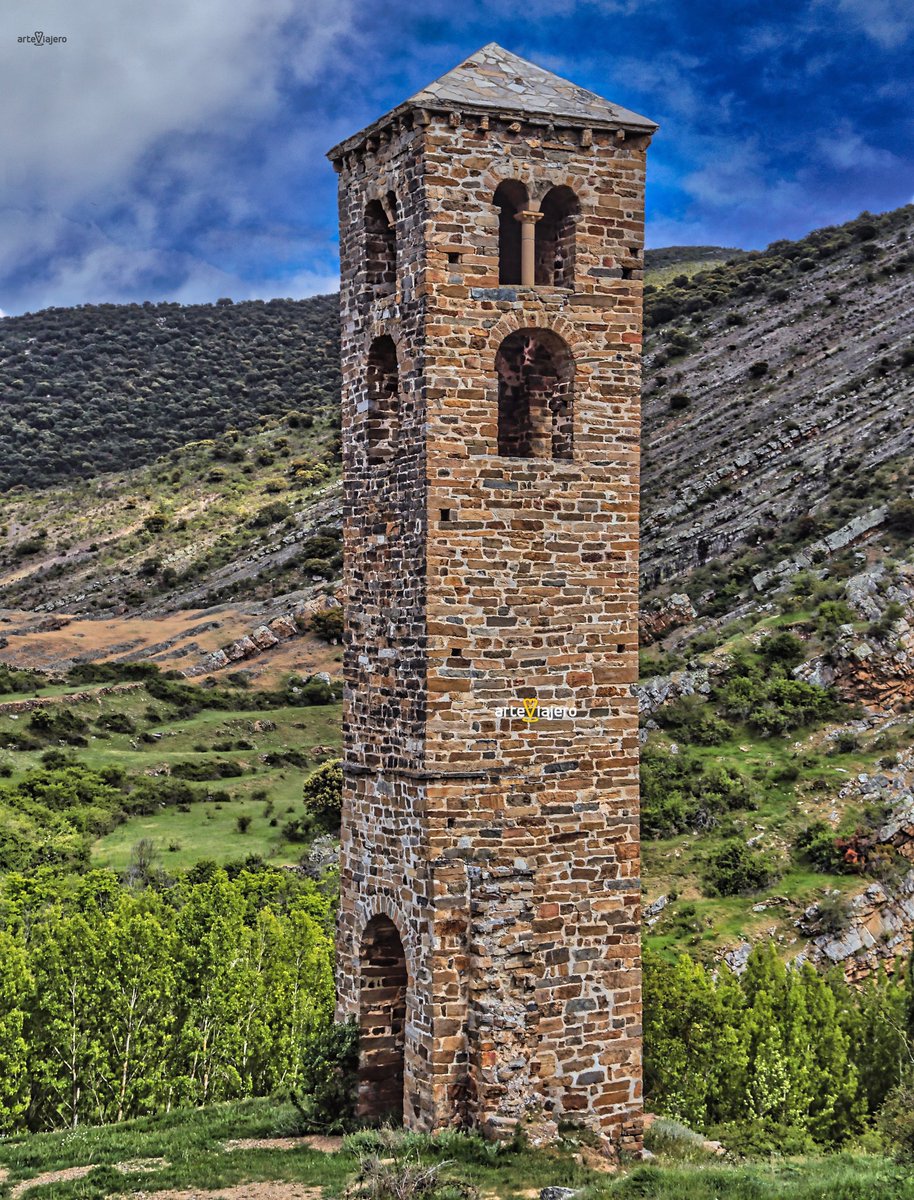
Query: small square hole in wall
{"x": 445, "y": 514}
{"x": 453, "y": 256}
{"x": 620, "y": 649}
{"x": 456, "y": 653}
{"x": 628, "y": 272}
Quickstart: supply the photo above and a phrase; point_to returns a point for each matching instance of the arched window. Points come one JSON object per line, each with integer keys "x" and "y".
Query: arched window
{"x": 510, "y": 198}
{"x": 535, "y": 395}
{"x": 555, "y": 238}
{"x": 380, "y": 243}
{"x": 382, "y": 1020}
{"x": 383, "y": 387}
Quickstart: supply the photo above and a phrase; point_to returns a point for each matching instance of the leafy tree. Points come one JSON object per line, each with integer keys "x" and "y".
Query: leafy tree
{"x": 15, "y": 991}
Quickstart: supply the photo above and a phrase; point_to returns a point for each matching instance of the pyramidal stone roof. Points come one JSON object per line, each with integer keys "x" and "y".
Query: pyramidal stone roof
{"x": 495, "y": 80}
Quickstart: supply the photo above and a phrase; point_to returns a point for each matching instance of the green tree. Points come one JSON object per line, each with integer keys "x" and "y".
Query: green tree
{"x": 15, "y": 992}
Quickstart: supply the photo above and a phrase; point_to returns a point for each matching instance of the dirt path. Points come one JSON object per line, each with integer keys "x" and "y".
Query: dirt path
{"x": 241, "y": 1191}
{"x": 314, "y": 1141}
{"x": 62, "y": 1176}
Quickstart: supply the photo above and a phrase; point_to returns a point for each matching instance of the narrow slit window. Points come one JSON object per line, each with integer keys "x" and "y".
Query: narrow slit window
{"x": 383, "y": 386}
{"x": 380, "y": 245}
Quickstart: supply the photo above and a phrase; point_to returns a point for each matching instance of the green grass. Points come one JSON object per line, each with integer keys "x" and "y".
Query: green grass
{"x": 839, "y": 1177}
{"x": 192, "y": 1143}
{"x": 209, "y": 829}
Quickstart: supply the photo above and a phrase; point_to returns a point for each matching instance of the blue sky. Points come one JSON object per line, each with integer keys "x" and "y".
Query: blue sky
{"x": 175, "y": 150}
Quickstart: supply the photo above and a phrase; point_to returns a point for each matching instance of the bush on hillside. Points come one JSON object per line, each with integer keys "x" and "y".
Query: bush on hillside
{"x": 328, "y": 624}
{"x": 323, "y": 795}
{"x": 681, "y": 792}
{"x": 735, "y": 869}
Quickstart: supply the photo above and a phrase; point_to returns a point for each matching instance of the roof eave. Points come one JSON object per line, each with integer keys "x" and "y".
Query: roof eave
{"x": 630, "y": 122}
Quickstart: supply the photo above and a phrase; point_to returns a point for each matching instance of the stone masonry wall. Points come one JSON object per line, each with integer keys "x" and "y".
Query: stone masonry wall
{"x": 506, "y": 853}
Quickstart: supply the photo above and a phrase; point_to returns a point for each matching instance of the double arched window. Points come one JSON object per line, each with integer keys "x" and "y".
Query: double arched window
{"x": 551, "y": 234}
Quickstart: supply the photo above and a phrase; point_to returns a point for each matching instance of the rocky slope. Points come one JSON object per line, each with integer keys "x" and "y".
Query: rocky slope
{"x": 779, "y": 395}
{"x": 778, "y": 467}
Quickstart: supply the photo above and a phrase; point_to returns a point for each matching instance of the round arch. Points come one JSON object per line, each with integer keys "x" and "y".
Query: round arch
{"x": 383, "y": 986}
{"x": 510, "y": 198}
{"x": 535, "y": 369}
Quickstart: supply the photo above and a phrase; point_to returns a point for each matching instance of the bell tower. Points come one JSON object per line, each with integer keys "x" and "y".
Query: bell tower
{"x": 491, "y": 232}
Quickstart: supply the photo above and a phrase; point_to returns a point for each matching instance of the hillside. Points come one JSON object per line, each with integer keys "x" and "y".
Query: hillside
{"x": 99, "y": 388}
{"x": 778, "y": 619}
{"x": 778, "y": 397}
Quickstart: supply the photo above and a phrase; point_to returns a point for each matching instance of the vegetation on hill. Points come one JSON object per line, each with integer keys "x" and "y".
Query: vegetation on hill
{"x": 235, "y": 517}
{"x": 101, "y": 388}
{"x": 778, "y": 396}
{"x": 124, "y": 814}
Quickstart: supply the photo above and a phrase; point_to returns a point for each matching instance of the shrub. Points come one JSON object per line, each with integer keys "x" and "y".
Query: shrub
{"x": 270, "y": 514}
{"x": 243, "y": 823}
{"x": 328, "y": 624}
{"x": 328, "y": 1075}
{"x": 674, "y": 1140}
{"x": 831, "y": 614}
{"x": 59, "y": 724}
{"x": 220, "y": 768}
{"x": 897, "y": 1121}
{"x": 679, "y": 401}
{"x": 900, "y": 516}
{"x": 679, "y": 343}
{"x": 735, "y": 869}
{"x": 116, "y": 722}
{"x": 681, "y": 792}
{"x": 758, "y": 370}
{"x": 694, "y": 720}
{"x": 323, "y": 794}
{"x": 784, "y": 648}
{"x": 818, "y": 845}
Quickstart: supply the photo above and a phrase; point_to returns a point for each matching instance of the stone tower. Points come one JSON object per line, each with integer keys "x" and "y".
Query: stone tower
{"x": 492, "y": 254}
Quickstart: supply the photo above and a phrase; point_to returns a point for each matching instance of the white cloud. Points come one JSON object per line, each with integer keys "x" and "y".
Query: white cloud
{"x": 889, "y": 23}
{"x": 847, "y": 150}
{"x": 126, "y": 133}
{"x": 77, "y": 116}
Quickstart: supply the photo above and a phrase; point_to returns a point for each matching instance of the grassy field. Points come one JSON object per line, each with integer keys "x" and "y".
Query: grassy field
{"x": 268, "y": 792}
{"x": 188, "y": 1149}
